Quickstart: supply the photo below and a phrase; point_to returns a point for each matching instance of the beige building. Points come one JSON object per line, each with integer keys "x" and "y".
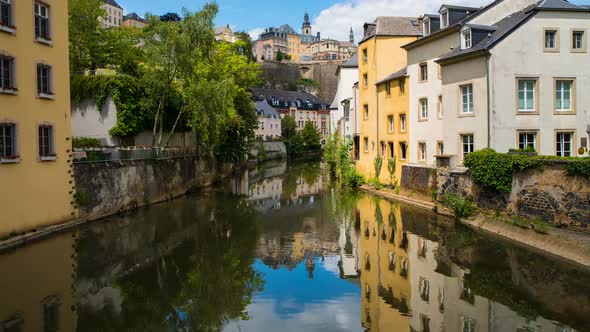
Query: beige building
{"x": 269, "y": 121}
{"x": 114, "y": 14}
{"x": 134, "y": 20}
{"x": 35, "y": 125}
{"x": 225, "y": 33}
{"x": 330, "y": 49}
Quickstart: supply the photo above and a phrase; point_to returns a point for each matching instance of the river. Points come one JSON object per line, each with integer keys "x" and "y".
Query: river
{"x": 279, "y": 248}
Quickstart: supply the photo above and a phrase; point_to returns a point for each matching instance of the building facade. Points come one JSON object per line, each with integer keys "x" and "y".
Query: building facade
{"x": 269, "y": 121}
{"x": 380, "y": 55}
{"x": 225, "y": 33}
{"x": 35, "y": 132}
{"x": 133, "y": 20}
{"x": 330, "y": 49}
{"x": 342, "y": 108}
{"x": 301, "y": 106}
{"x": 114, "y": 14}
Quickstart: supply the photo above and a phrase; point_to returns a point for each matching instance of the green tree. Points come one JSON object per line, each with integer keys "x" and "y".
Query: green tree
{"x": 288, "y": 127}
{"x": 280, "y": 56}
{"x": 84, "y": 33}
{"x": 311, "y": 136}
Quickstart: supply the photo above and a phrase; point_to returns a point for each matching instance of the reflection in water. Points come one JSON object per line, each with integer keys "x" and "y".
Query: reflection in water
{"x": 283, "y": 250}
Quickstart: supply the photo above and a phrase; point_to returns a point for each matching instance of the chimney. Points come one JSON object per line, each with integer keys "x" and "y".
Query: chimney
{"x": 319, "y": 35}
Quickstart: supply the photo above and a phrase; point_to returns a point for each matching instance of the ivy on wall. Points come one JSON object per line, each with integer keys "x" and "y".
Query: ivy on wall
{"x": 126, "y": 94}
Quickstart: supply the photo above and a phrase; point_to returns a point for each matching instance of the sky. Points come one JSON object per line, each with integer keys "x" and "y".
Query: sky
{"x": 333, "y": 18}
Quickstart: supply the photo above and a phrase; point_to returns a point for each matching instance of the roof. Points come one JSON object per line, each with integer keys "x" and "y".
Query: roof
{"x": 133, "y": 16}
{"x": 398, "y": 74}
{"x": 261, "y": 93}
{"x": 221, "y": 29}
{"x": 481, "y": 27}
{"x": 462, "y": 8}
{"x": 503, "y": 29}
{"x": 353, "y": 62}
{"x": 286, "y": 28}
{"x": 560, "y": 5}
{"x": 346, "y": 44}
{"x": 263, "y": 108}
{"x": 112, "y": 3}
{"x": 394, "y": 26}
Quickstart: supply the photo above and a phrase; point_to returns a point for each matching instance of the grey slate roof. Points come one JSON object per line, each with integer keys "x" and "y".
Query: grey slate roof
{"x": 285, "y": 95}
{"x": 470, "y": 9}
{"x": 353, "y": 62}
{"x": 398, "y": 74}
{"x": 559, "y": 5}
{"x": 394, "y": 26}
{"x": 112, "y": 3}
{"x": 264, "y": 109}
{"x": 133, "y": 16}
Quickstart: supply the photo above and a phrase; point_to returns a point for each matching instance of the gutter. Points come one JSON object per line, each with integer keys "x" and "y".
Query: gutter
{"x": 489, "y": 100}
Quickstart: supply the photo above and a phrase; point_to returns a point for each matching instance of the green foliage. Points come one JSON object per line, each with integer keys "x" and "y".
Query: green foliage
{"x": 461, "y": 206}
{"x": 295, "y": 145}
{"x": 434, "y": 195}
{"x": 494, "y": 170}
{"x": 338, "y": 161}
{"x": 288, "y": 127}
{"x": 311, "y": 136}
{"x": 391, "y": 168}
{"x": 352, "y": 179}
{"x": 378, "y": 164}
{"x": 579, "y": 167}
{"x": 85, "y": 142}
{"x": 82, "y": 198}
{"x": 261, "y": 153}
{"x": 375, "y": 183}
{"x": 280, "y": 56}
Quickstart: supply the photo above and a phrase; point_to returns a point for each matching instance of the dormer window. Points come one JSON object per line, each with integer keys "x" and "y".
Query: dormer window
{"x": 426, "y": 27}
{"x": 274, "y": 101}
{"x": 444, "y": 19}
{"x": 466, "y": 39}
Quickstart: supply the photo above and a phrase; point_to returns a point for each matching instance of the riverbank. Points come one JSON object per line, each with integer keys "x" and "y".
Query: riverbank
{"x": 569, "y": 246}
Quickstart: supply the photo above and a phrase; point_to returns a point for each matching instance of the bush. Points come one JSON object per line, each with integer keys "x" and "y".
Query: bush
{"x": 375, "y": 183}
{"x": 352, "y": 179}
{"x": 461, "y": 206}
{"x": 580, "y": 167}
{"x": 378, "y": 163}
{"x": 85, "y": 142}
{"x": 494, "y": 170}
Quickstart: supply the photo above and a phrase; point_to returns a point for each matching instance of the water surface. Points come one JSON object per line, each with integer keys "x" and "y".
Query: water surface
{"x": 280, "y": 249}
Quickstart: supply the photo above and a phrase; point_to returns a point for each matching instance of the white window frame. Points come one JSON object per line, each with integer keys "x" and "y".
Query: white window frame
{"x": 523, "y": 139}
{"x": 580, "y": 44}
{"x": 560, "y": 95}
{"x": 4, "y": 154}
{"x": 423, "y": 72}
{"x": 444, "y": 22}
{"x": 11, "y": 75}
{"x": 467, "y": 91}
{"x": 560, "y": 143}
{"x": 366, "y": 142}
{"x": 46, "y": 143}
{"x": 402, "y": 122}
{"x": 426, "y": 27}
{"x": 548, "y": 44}
{"x": 469, "y": 146}
{"x": 423, "y": 114}
{"x": 391, "y": 123}
{"x": 9, "y": 25}
{"x": 46, "y": 17}
{"x": 525, "y": 91}
{"x": 422, "y": 151}
{"x": 466, "y": 39}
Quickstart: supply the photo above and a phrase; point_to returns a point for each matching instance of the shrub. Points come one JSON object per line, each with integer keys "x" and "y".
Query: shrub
{"x": 85, "y": 142}
{"x": 579, "y": 167}
{"x": 352, "y": 179}
{"x": 494, "y": 170}
{"x": 375, "y": 183}
{"x": 378, "y": 163}
{"x": 391, "y": 168}
{"x": 461, "y": 206}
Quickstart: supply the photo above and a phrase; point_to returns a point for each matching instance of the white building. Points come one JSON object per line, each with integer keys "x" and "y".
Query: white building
{"x": 340, "y": 114}
{"x": 517, "y": 81}
{"x": 114, "y": 14}
{"x": 269, "y": 121}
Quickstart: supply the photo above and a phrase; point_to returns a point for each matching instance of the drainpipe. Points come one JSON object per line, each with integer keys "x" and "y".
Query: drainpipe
{"x": 489, "y": 100}
{"x": 377, "y": 131}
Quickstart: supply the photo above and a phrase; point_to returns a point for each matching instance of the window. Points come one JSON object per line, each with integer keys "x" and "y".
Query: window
{"x": 444, "y": 19}
{"x": 366, "y": 108}
{"x": 527, "y": 140}
{"x": 391, "y": 152}
{"x": 402, "y": 86}
{"x": 423, "y": 72}
{"x": 563, "y": 95}
{"x": 366, "y": 139}
{"x": 526, "y": 95}
{"x": 13, "y": 324}
{"x": 383, "y": 149}
{"x": 424, "y": 289}
{"x": 42, "y": 21}
{"x": 388, "y": 88}
{"x": 564, "y": 142}
{"x": 44, "y": 80}
{"x": 466, "y": 39}
{"x": 46, "y": 149}
{"x": 440, "y": 148}
{"x": 6, "y": 13}
{"x": 426, "y": 27}
{"x": 439, "y": 108}
{"x": 403, "y": 150}
{"x": 6, "y": 73}
{"x": 390, "y": 123}
{"x": 422, "y": 151}
{"x": 365, "y": 56}
{"x": 578, "y": 42}
{"x": 468, "y": 144}
{"x": 468, "y": 325}
{"x": 51, "y": 314}
{"x": 551, "y": 40}
{"x": 423, "y": 109}
{"x": 274, "y": 101}
{"x": 365, "y": 80}
{"x": 402, "y": 123}
{"x": 7, "y": 140}
{"x": 467, "y": 98}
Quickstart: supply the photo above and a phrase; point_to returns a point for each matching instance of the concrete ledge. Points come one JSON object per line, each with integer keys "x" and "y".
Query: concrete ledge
{"x": 31, "y": 237}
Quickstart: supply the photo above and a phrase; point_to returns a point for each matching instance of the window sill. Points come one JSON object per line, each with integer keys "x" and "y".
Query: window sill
{"x": 556, "y": 112}
{"x": 527, "y": 113}
{"x": 578, "y": 51}
{"x": 551, "y": 50}
{"x": 467, "y": 115}
{"x": 14, "y": 160}
{"x": 422, "y": 120}
{"x": 8, "y": 29}
{"x": 49, "y": 158}
{"x": 13, "y": 92}
{"x": 46, "y": 96}
{"x": 44, "y": 41}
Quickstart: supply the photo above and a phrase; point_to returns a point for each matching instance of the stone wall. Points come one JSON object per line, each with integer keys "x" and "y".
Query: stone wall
{"x": 105, "y": 189}
{"x": 420, "y": 179}
{"x": 547, "y": 193}
{"x": 274, "y": 150}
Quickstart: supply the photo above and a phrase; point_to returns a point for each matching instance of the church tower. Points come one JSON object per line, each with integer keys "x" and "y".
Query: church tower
{"x": 306, "y": 28}
{"x": 351, "y": 36}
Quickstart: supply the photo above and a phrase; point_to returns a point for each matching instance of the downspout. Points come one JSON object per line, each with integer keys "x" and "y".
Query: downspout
{"x": 378, "y": 144}
{"x": 489, "y": 100}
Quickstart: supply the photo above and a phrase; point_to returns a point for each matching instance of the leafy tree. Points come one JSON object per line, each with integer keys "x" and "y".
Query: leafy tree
{"x": 170, "y": 17}
{"x": 280, "y": 56}
{"x": 118, "y": 48}
{"x": 288, "y": 127}
{"x": 378, "y": 163}
{"x": 84, "y": 33}
{"x": 311, "y": 136}
{"x": 391, "y": 168}
{"x": 244, "y": 45}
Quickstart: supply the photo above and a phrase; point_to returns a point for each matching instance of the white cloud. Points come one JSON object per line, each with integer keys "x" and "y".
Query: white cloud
{"x": 254, "y": 33}
{"x": 335, "y": 21}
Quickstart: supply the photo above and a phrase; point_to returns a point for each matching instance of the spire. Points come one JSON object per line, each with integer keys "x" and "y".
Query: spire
{"x": 351, "y": 36}
{"x": 306, "y": 19}
{"x": 306, "y": 28}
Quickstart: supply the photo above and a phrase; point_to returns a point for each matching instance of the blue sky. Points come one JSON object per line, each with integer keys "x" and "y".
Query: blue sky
{"x": 333, "y": 18}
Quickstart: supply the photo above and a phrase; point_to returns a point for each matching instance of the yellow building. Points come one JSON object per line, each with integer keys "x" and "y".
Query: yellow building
{"x": 394, "y": 102}
{"x": 385, "y": 267}
{"x": 294, "y": 45}
{"x": 380, "y": 55}
{"x": 35, "y": 146}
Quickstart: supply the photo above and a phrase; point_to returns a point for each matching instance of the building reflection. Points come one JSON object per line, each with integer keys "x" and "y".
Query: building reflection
{"x": 36, "y": 286}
